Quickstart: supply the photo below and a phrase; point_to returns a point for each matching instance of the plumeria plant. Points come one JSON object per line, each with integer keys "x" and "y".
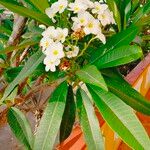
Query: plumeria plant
{"x": 74, "y": 46}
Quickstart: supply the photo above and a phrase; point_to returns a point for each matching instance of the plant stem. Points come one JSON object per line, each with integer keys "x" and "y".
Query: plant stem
{"x": 86, "y": 46}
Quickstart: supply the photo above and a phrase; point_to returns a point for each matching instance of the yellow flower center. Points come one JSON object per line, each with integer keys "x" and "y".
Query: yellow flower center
{"x": 61, "y": 6}
{"x": 98, "y": 8}
{"x": 82, "y": 20}
{"x": 76, "y": 8}
{"x": 103, "y": 16}
{"x": 46, "y": 43}
{"x": 90, "y": 25}
{"x": 55, "y": 52}
{"x": 61, "y": 36}
{"x": 50, "y": 62}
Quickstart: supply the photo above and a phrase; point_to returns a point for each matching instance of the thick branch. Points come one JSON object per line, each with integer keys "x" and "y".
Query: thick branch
{"x": 19, "y": 24}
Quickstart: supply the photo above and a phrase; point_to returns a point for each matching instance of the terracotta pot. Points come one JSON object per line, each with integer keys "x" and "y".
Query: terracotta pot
{"x": 139, "y": 78}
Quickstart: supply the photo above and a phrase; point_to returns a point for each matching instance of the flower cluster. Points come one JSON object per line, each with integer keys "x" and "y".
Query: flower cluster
{"x": 87, "y": 18}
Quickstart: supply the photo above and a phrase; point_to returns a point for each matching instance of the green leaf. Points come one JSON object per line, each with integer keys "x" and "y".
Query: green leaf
{"x": 1, "y": 46}
{"x": 3, "y": 37}
{"x": 21, "y": 10}
{"x": 11, "y": 73}
{"x": 120, "y": 118}
{"x": 68, "y": 118}
{"x": 3, "y": 29}
{"x": 120, "y": 39}
{"x": 33, "y": 31}
{"x": 125, "y": 92}
{"x": 8, "y": 23}
{"x": 119, "y": 56}
{"x": 12, "y": 96}
{"x": 51, "y": 119}
{"x": 127, "y": 11}
{"x": 135, "y": 4}
{"x": 26, "y": 43}
{"x": 91, "y": 75}
{"x": 20, "y": 127}
{"x": 113, "y": 7}
{"x": 29, "y": 67}
{"x": 30, "y": 5}
{"x": 145, "y": 20}
{"x": 141, "y": 12}
{"x": 89, "y": 122}
{"x": 40, "y": 4}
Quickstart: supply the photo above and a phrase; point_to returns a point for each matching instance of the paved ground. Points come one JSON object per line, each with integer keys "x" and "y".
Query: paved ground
{"x": 8, "y": 141}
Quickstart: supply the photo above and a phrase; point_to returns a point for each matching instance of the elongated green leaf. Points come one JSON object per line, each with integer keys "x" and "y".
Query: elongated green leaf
{"x": 89, "y": 122}
{"x": 129, "y": 95}
{"x": 121, "y": 118}
{"x": 40, "y": 4}
{"x": 30, "y": 42}
{"x": 68, "y": 116}
{"x": 113, "y": 7}
{"x": 125, "y": 92}
{"x": 29, "y": 67}
{"x": 14, "y": 7}
{"x": 1, "y": 46}
{"x": 119, "y": 56}
{"x": 145, "y": 20}
{"x": 127, "y": 11}
{"x": 135, "y": 4}
{"x": 51, "y": 120}
{"x": 3, "y": 29}
{"x": 30, "y": 5}
{"x": 3, "y": 37}
{"x": 91, "y": 74}
{"x": 123, "y": 38}
{"x": 12, "y": 96}
{"x": 141, "y": 12}
{"x": 20, "y": 127}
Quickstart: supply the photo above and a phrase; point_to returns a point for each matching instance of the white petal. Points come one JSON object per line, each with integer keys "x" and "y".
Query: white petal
{"x": 47, "y": 68}
{"x": 57, "y": 62}
{"x": 53, "y": 68}
{"x": 102, "y": 38}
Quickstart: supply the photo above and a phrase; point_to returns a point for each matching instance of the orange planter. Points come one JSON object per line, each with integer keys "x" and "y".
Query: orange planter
{"x": 140, "y": 80}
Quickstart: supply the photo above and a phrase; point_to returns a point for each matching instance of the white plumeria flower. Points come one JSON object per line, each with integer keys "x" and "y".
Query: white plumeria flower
{"x": 55, "y": 51}
{"x": 51, "y": 12}
{"x": 50, "y": 32}
{"x": 58, "y": 6}
{"x": 75, "y": 26}
{"x": 72, "y": 53}
{"x": 92, "y": 27}
{"x": 106, "y": 18}
{"x": 99, "y": 8}
{"x": 45, "y": 43}
{"x": 56, "y": 34}
{"x": 88, "y": 3}
{"x": 101, "y": 37}
{"x": 77, "y": 6}
{"x": 51, "y": 65}
{"x": 62, "y": 5}
{"x": 82, "y": 18}
{"x": 61, "y": 34}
